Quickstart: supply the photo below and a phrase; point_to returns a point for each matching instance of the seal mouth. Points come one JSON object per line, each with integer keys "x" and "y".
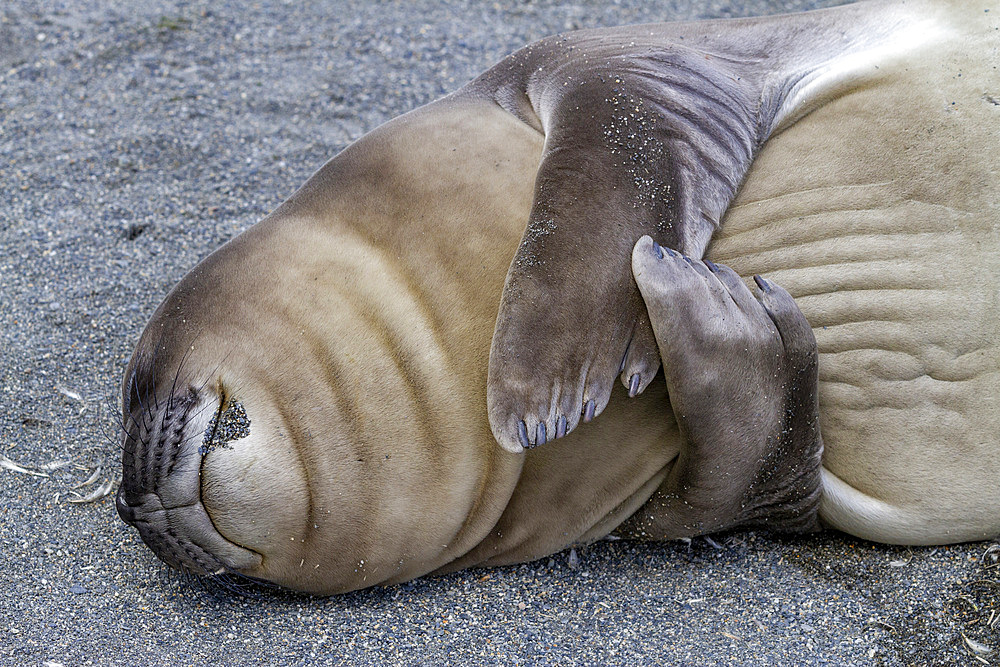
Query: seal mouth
{"x": 164, "y": 446}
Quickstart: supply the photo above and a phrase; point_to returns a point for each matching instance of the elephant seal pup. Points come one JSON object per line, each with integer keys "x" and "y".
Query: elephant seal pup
{"x": 309, "y": 405}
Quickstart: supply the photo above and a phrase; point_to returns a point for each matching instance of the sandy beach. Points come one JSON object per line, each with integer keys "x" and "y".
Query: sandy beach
{"x": 137, "y": 137}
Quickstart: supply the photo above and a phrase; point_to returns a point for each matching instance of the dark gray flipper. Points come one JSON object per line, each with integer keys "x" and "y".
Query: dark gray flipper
{"x": 741, "y": 373}
{"x": 625, "y": 144}
{"x": 649, "y": 130}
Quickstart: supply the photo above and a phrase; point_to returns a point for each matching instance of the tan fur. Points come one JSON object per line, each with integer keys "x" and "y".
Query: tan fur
{"x": 360, "y": 357}
{"x": 355, "y": 326}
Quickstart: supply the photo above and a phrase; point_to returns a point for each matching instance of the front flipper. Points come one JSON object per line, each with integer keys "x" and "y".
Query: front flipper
{"x": 653, "y": 144}
{"x": 648, "y": 130}
{"x": 741, "y": 372}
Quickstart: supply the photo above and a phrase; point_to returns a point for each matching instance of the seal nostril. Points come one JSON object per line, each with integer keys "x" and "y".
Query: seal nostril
{"x": 229, "y": 423}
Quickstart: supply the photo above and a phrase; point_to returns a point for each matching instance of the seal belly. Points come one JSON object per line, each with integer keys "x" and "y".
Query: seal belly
{"x": 878, "y": 212}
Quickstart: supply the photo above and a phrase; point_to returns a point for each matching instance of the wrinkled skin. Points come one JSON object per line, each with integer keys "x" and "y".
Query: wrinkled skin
{"x": 319, "y": 402}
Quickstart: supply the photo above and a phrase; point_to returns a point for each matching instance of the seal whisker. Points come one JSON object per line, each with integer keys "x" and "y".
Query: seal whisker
{"x": 364, "y": 339}
{"x": 152, "y": 389}
{"x": 237, "y": 584}
{"x": 184, "y": 358}
{"x": 116, "y": 416}
{"x": 209, "y": 376}
{"x": 134, "y": 390}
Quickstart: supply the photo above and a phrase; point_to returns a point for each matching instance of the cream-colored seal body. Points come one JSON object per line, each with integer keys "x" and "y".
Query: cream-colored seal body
{"x": 354, "y": 326}
{"x": 880, "y": 213}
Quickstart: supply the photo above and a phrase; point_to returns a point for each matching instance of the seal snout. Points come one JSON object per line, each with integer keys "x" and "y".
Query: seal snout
{"x": 160, "y": 495}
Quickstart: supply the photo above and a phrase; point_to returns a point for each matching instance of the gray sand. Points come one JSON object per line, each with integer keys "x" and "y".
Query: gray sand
{"x": 135, "y": 140}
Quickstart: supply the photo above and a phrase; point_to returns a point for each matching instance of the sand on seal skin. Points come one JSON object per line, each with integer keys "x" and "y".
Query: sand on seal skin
{"x": 137, "y": 137}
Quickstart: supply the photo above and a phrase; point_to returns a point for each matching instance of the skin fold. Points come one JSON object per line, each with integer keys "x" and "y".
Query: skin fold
{"x": 341, "y": 396}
